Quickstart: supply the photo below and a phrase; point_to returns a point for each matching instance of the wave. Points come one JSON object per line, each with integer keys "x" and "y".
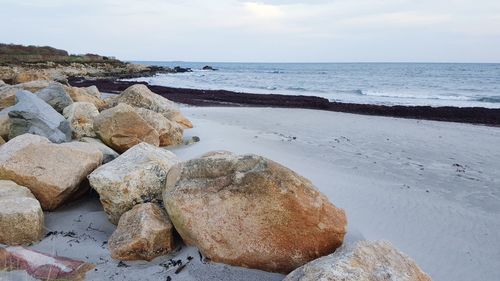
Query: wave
{"x": 298, "y": 89}
{"x": 418, "y": 96}
{"x": 490, "y": 99}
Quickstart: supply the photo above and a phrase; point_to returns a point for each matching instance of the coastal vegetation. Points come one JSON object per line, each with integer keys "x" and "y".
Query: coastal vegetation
{"x": 12, "y": 54}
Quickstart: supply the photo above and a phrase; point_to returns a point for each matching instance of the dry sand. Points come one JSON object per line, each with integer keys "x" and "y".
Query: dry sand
{"x": 431, "y": 188}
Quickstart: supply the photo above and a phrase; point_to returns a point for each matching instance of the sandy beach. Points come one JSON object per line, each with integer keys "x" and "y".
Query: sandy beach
{"x": 431, "y": 188}
{"x": 250, "y": 141}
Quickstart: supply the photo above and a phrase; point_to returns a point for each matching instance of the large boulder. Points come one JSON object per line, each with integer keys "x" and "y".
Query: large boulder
{"x": 80, "y": 116}
{"x": 121, "y": 128}
{"x": 2, "y": 141}
{"x": 21, "y": 216}
{"x": 19, "y": 143}
{"x": 250, "y": 211}
{"x": 137, "y": 176}
{"x": 139, "y": 95}
{"x": 55, "y": 96}
{"x": 362, "y": 261}
{"x": 143, "y": 233}
{"x": 108, "y": 153}
{"x": 170, "y": 133}
{"x": 85, "y": 95}
{"x": 8, "y": 92}
{"x": 53, "y": 172}
{"x": 33, "y": 86}
{"x": 30, "y": 75}
{"x": 32, "y": 115}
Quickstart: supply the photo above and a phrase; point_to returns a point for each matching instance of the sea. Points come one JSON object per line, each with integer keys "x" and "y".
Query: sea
{"x": 432, "y": 84}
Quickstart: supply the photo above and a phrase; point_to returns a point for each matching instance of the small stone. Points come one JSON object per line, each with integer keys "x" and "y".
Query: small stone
{"x": 143, "y": 233}
{"x": 192, "y": 140}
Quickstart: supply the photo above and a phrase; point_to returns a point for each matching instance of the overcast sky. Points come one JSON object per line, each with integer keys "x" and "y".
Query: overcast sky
{"x": 261, "y": 31}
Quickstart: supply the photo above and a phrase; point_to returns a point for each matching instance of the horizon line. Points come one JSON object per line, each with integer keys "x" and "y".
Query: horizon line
{"x": 313, "y": 62}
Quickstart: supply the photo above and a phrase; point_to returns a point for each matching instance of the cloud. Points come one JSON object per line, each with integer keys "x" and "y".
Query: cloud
{"x": 286, "y": 30}
{"x": 264, "y": 11}
{"x": 399, "y": 18}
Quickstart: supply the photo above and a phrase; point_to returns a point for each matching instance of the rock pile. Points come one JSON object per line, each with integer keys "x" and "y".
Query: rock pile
{"x": 242, "y": 210}
{"x": 61, "y": 113}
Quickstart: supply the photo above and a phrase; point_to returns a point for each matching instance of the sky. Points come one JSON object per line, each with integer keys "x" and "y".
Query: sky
{"x": 261, "y": 31}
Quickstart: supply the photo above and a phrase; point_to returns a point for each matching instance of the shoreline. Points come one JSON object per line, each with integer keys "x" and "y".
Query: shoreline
{"x": 199, "y": 97}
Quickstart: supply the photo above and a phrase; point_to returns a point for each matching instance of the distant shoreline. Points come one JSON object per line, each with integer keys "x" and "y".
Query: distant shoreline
{"x": 198, "y": 97}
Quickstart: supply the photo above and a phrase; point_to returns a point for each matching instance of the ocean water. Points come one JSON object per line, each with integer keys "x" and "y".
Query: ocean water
{"x": 434, "y": 84}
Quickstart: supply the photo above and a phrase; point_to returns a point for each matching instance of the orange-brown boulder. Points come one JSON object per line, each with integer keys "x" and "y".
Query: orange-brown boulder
{"x": 121, "y": 128}
{"x": 250, "y": 211}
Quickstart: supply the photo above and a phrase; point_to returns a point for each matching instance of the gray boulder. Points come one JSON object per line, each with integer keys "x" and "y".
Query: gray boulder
{"x": 55, "y": 96}
{"x": 34, "y": 116}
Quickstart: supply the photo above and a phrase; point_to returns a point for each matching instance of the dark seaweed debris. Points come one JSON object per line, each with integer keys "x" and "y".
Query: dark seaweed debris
{"x": 474, "y": 115}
